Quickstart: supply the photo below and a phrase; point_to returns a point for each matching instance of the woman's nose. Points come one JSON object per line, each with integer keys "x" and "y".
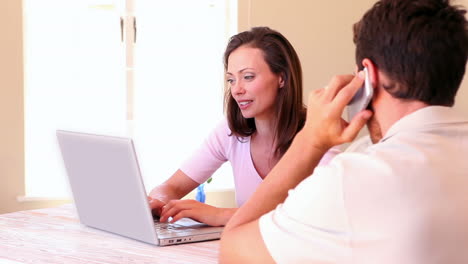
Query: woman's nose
{"x": 237, "y": 88}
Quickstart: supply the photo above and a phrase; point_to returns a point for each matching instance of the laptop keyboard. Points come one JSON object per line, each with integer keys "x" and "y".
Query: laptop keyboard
{"x": 183, "y": 227}
{"x": 166, "y": 226}
{"x": 169, "y": 229}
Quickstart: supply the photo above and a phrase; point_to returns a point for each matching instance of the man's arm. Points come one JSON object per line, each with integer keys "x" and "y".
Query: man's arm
{"x": 244, "y": 245}
{"x": 324, "y": 128}
{"x": 296, "y": 164}
{"x": 241, "y": 241}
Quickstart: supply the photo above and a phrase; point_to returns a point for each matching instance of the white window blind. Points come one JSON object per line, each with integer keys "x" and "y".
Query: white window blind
{"x": 78, "y": 77}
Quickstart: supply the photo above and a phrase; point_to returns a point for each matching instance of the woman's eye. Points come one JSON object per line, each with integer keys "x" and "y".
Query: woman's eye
{"x": 230, "y": 81}
{"x": 249, "y": 77}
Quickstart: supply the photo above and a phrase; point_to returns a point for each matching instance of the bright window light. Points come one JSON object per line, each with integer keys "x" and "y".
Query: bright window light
{"x": 76, "y": 78}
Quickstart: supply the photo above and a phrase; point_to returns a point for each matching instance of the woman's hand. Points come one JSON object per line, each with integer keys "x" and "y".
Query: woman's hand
{"x": 155, "y": 205}
{"x": 195, "y": 210}
{"x": 324, "y": 127}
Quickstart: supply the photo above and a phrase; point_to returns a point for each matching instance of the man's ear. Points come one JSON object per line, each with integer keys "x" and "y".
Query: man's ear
{"x": 372, "y": 71}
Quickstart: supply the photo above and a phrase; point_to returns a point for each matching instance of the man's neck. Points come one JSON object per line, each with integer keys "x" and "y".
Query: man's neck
{"x": 387, "y": 112}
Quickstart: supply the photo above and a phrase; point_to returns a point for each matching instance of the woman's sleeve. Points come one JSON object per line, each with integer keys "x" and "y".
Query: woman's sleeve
{"x": 209, "y": 156}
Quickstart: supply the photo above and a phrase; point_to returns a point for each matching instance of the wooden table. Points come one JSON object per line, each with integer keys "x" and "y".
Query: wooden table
{"x": 54, "y": 235}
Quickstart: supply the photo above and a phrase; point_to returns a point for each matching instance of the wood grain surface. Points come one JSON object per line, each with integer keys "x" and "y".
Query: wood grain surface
{"x": 54, "y": 235}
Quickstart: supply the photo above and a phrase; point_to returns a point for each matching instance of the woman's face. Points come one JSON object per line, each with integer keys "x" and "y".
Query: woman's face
{"x": 252, "y": 84}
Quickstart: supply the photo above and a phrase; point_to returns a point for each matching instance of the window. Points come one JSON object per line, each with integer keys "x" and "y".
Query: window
{"x": 165, "y": 90}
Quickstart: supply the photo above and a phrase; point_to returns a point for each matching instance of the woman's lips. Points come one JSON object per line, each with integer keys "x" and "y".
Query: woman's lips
{"x": 244, "y": 104}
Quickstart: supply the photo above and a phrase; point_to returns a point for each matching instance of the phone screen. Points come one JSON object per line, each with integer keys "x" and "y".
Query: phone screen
{"x": 362, "y": 98}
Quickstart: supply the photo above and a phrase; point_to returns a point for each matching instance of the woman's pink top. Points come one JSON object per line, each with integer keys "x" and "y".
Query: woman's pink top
{"x": 218, "y": 148}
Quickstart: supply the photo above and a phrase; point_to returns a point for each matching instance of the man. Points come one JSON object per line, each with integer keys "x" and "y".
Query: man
{"x": 403, "y": 199}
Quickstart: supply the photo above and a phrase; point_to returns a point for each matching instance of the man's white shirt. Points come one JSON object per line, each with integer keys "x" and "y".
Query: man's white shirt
{"x": 402, "y": 200}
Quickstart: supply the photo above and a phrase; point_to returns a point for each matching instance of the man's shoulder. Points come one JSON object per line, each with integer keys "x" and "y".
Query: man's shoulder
{"x": 360, "y": 144}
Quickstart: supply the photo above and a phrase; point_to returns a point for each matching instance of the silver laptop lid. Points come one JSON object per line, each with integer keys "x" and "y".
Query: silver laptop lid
{"x": 106, "y": 184}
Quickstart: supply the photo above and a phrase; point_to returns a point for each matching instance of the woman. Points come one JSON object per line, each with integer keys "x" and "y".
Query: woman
{"x": 264, "y": 110}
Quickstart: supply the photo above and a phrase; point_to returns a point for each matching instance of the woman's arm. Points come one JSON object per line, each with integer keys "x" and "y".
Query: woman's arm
{"x": 176, "y": 187}
{"x": 210, "y": 215}
{"x": 203, "y": 163}
{"x": 165, "y": 202}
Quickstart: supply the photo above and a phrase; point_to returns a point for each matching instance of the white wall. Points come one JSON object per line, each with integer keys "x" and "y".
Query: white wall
{"x": 321, "y": 33}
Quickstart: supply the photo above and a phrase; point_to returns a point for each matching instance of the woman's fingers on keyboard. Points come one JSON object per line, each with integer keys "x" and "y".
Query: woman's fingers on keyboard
{"x": 173, "y": 207}
{"x": 198, "y": 211}
{"x": 156, "y": 205}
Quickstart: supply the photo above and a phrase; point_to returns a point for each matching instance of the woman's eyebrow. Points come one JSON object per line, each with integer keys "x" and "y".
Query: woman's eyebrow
{"x": 240, "y": 71}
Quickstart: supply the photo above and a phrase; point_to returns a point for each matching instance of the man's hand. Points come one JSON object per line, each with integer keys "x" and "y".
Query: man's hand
{"x": 324, "y": 127}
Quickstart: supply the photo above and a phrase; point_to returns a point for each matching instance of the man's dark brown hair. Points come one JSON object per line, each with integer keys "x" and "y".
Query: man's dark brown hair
{"x": 421, "y": 45}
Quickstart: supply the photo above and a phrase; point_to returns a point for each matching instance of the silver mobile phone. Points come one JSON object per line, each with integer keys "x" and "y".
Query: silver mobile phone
{"x": 362, "y": 98}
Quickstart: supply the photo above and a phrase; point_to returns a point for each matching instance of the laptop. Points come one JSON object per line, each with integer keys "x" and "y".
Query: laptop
{"x": 109, "y": 193}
